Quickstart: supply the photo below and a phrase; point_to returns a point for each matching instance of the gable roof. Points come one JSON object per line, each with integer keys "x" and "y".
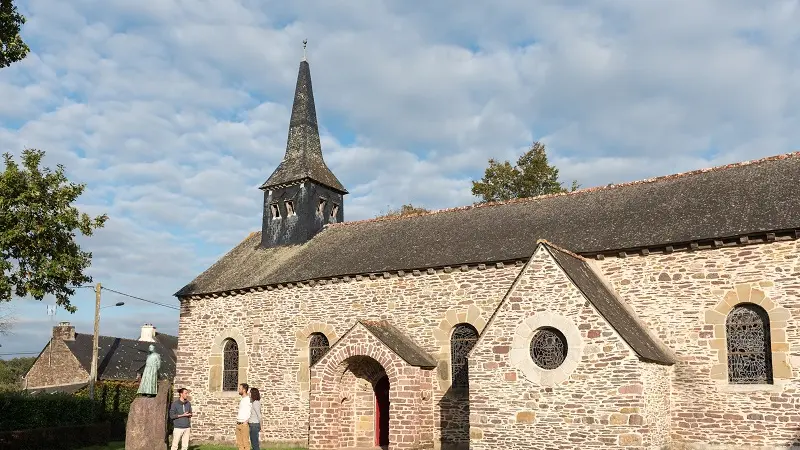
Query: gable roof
{"x": 735, "y": 200}
{"x": 123, "y": 359}
{"x": 614, "y": 310}
{"x": 399, "y": 343}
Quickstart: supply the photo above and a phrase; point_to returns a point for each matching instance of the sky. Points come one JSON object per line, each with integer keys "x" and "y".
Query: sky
{"x": 174, "y": 112}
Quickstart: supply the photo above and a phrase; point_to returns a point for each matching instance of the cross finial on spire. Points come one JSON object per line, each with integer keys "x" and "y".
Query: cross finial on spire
{"x": 305, "y": 42}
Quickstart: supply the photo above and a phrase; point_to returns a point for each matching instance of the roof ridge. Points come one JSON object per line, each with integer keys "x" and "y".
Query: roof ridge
{"x": 561, "y": 249}
{"x": 576, "y": 192}
{"x": 124, "y": 338}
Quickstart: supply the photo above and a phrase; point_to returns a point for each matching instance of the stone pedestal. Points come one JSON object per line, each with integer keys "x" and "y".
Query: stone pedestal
{"x": 147, "y": 421}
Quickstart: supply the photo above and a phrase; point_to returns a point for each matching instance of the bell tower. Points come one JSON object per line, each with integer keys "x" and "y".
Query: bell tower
{"x": 302, "y": 194}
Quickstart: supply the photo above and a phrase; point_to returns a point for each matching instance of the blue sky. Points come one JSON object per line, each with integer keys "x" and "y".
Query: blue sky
{"x": 173, "y": 112}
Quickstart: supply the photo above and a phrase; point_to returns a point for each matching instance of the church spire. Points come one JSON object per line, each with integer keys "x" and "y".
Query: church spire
{"x": 302, "y": 195}
{"x": 303, "y": 158}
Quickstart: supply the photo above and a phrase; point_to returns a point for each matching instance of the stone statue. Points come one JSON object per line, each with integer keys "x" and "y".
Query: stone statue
{"x": 149, "y": 384}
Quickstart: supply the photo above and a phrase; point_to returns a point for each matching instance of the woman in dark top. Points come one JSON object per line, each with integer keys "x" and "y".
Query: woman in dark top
{"x": 255, "y": 418}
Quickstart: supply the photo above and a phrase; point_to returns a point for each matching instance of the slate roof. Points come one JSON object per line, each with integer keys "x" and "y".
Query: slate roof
{"x": 303, "y": 159}
{"x": 728, "y": 201}
{"x": 123, "y": 359}
{"x": 613, "y": 309}
{"x": 399, "y": 343}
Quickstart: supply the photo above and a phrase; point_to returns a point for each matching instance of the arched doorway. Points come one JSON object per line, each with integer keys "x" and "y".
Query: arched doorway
{"x": 382, "y": 412}
{"x": 356, "y": 384}
{"x": 363, "y": 418}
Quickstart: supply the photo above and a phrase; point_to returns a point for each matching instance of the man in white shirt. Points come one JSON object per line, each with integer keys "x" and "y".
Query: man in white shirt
{"x": 242, "y": 427}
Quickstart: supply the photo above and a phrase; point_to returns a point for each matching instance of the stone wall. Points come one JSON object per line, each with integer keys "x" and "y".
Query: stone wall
{"x": 678, "y": 295}
{"x": 682, "y": 296}
{"x": 656, "y": 420}
{"x": 56, "y": 366}
{"x": 595, "y": 399}
{"x": 275, "y": 325}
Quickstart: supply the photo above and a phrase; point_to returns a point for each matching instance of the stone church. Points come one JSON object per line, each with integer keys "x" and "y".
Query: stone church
{"x": 652, "y": 314}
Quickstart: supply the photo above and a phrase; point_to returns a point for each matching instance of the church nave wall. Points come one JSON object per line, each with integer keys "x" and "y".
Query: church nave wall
{"x": 274, "y": 324}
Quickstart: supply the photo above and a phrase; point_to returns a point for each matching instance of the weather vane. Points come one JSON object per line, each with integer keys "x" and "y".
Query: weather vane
{"x": 305, "y": 42}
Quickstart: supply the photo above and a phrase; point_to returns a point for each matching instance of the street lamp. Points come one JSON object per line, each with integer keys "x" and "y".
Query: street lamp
{"x": 97, "y": 308}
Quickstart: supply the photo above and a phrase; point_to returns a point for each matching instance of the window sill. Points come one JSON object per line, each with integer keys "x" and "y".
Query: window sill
{"x": 744, "y": 388}
{"x": 225, "y": 394}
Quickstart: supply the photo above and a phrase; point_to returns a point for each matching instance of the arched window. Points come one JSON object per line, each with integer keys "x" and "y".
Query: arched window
{"x": 461, "y": 342}
{"x": 318, "y": 345}
{"x": 230, "y": 366}
{"x": 749, "y": 346}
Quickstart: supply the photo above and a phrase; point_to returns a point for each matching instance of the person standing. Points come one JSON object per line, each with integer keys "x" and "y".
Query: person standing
{"x": 242, "y": 428}
{"x": 255, "y": 418}
{"x": 181, "y": 414}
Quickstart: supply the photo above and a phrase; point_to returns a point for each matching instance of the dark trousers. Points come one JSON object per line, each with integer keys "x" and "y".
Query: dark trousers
{"x": 254, "y": 429}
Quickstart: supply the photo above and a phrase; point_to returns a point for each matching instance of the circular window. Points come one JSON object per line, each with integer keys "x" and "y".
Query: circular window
{"x": 548, "y": 348}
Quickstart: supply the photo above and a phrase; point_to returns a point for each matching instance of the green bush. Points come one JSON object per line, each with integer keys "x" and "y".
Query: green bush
{"x": 23, "y": 411}
{"x": 114, "y": 397}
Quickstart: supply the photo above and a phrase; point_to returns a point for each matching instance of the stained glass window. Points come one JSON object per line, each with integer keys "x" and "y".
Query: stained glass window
{"x": 548, "y": 348}
{"x": 318, "y": 345}
{"x": 461, "y": 342}
{"x": 749, "y": 346}
{"x": 230, "y": 366}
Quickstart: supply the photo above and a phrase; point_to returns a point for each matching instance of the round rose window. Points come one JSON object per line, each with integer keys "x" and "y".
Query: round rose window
{"x": 548, "y": 348}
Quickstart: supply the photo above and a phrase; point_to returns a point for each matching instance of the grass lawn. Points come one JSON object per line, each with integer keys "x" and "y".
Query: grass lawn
{"x": 121, "y": 446}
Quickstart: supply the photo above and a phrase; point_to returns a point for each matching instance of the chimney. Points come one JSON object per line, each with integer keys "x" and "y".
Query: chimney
{"x": 64, "y": 332}
{"x": 148, "y": 333}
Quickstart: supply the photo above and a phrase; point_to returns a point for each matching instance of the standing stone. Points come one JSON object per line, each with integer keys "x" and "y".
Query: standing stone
{"x": 147, "y": 421}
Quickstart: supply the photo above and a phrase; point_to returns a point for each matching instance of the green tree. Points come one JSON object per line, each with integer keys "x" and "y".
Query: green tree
{"x": 405, "y": 210}
{"x": 531, "y": 176}
{"x": 12, "y": 48}
{"x": 12, "y": 371}
{"x": 38, "y": 224}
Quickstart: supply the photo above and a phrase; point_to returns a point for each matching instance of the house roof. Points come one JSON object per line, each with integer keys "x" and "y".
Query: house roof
{"x": 123, "y": 359}
{"x": 303, "y": 159}
{"x": 613, "y": 309}
{"x": 728, "y": 201}
{"x": 64, "y": 388}
{"x": 399, "y": 343}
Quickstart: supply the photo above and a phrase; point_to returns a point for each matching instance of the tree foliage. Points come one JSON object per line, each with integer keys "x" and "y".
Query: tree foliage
{"x": 12, "y": 371}
{"x": 38, "y": 225}
{"x": 12, "y": 47}
{"x": 405, "y": 210}
{"x": 531, "y": 176}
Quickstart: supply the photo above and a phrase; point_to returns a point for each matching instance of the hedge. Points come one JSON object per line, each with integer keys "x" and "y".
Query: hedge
{"x": 61, "y": 438}
{"x": 114, "y": 397}
{"x": 23, "y": 411}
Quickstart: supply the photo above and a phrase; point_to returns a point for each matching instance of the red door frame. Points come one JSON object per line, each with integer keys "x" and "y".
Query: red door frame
{"x": 382, "y": 411}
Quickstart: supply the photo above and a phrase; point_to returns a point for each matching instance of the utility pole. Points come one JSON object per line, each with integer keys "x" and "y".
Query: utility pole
{"x": 93, "y": 375}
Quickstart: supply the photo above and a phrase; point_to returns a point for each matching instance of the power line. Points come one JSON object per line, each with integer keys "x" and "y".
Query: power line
{"x": 19, "y": 353}
{"x": 133, "y": 297}
{"x": 141, "y": 299}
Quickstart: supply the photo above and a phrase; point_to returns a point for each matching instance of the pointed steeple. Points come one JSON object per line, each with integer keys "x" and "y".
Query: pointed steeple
{"x": 303, "y": 158}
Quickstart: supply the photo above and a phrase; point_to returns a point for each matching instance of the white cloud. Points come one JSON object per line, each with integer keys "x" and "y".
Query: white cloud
{"x": 173, "y": 112}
